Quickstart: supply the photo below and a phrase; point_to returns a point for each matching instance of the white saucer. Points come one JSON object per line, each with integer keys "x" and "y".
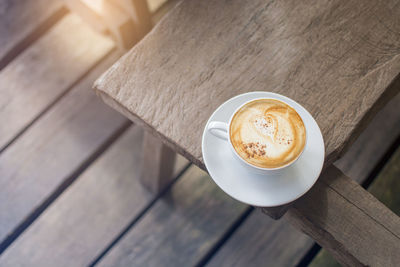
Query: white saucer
{"x": 255, "y": 189}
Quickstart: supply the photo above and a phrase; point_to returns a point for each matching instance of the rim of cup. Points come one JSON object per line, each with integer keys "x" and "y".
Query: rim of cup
{"x": 254, "y": 166}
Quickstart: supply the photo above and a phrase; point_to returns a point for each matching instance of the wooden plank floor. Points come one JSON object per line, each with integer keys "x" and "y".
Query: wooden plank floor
{"x": 51, "y": 151}
{"x": 69, "y": 165}
{"x": 385, "y": 188}
{"x": 36, "y": 78}
{"x": 91, "y": 212}
{"x": 22, "y": 22}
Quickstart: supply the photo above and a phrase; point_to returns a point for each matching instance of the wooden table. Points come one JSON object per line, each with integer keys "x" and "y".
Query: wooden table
{"x": 339, "y": 59}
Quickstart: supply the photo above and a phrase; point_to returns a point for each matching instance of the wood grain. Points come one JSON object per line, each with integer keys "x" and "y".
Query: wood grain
{"x": 363, "y": 155}
{"x": 46, "y": 70}
{"x": 336, "y": 58}
{"x": 21, "y": 22}
{"x": 90, "y": 213}
{"x": 180, "y": 228}
{"x": 348, "y": 221}
{"x": 52, "y": 149}
{"x": 385, "y": 188}
{"x": 252, "y": 240}
{"x": 263, "y": 242}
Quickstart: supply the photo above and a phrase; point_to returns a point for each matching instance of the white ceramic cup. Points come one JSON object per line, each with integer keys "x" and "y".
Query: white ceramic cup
{"x": 222, "y": 131}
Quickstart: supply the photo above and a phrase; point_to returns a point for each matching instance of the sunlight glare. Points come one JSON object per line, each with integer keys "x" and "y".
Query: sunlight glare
{"x": 95, "y": 5}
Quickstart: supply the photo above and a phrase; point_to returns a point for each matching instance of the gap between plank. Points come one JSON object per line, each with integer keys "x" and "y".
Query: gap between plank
{"x": 55, "y": 101}
{"x": 314, "y": 250}
{"x": 33, "y": 36}
{"x": 61, "y": 188}
{"x": 309, "y": 256}
{"x": 225, "y": 237}
{"x": 381, "y": 163}
{"x": 138, "y": 217}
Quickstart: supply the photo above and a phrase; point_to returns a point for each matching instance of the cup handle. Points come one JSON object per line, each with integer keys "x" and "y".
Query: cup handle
{"x": 218, "y": 129}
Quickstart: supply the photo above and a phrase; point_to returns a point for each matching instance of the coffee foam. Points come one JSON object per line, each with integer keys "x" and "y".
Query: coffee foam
{"x": 267, "y": 133}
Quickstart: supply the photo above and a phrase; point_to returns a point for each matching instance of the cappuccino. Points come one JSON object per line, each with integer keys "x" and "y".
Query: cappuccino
{"x": 267, "y": 133}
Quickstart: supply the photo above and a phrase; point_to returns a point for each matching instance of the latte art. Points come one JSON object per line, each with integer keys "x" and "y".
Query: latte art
{"x": 267, "y": 133}
{"x": 265, "y": 125}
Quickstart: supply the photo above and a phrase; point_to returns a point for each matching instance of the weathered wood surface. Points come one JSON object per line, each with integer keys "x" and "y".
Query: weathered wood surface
{"x": 251, "y": 240}
{"x": 348, "y": 221}
{"x": 374, "y": 141}
{"x": 21, "y": 22}
{"x": 52, "y": 149}
{"x": 251, "y": 254}
{"x": 180, "y": 228}
{"x": 362, "y": 156}
{"x": 46, "y": 70}
{"x": 90, "y": 213}
{"x": 385, "y": 188}
{"x": 261, "y": 241}
{"x": 336, "y": 58}
{"x": 157, "y": 164}
{"x": 332, "y": 60}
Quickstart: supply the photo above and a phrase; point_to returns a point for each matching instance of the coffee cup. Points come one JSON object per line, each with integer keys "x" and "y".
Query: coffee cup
{"x": 266, "y": 135}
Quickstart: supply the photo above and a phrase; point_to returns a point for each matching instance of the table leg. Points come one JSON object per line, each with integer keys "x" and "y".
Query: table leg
{"x": 157, "y": 164}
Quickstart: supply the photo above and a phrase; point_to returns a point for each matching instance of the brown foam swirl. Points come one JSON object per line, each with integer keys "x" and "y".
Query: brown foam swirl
{"x": 267, "y": 133}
